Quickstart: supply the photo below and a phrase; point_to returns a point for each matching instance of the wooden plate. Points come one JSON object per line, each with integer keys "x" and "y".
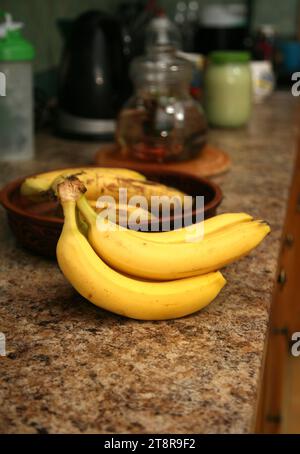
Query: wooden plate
{"x": 37, "y": 226}
{"x": 210, "y": 161}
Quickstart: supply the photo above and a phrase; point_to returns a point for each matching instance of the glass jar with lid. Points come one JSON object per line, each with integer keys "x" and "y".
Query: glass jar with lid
{"x": 228, "y": 89}
{"x": 161, "y": 122}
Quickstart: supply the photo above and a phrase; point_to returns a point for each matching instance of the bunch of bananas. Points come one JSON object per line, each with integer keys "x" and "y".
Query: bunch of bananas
{"x": 149, "y": 276}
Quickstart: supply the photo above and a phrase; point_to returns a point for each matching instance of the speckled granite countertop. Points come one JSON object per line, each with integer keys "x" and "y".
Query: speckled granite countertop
{"x": 71, "y": 367}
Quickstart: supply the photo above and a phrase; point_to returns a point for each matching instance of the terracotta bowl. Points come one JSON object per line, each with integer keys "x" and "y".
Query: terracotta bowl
{"x": 37, "y": 226}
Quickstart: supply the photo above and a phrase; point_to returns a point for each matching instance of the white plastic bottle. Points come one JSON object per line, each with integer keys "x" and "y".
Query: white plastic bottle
{"x": 16, "y": 94}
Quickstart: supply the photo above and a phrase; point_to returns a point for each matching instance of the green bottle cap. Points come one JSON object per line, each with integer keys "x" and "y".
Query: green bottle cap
{"x": 221, "y": 57}
{"x": 13, "y": 46}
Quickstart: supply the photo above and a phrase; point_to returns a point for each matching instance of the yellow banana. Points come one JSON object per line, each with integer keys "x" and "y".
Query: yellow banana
{"x": 158, "y": 261}
{"x": 109, "y": 185}
{"x": 195, "y": 232}
{"x": 36, "y": 186}
{"x": 121, "y": 294}
{"x": 191, "y": 233}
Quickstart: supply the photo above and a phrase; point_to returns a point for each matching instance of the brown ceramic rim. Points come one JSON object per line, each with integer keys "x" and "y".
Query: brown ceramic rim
{"x": 15, "y": 184}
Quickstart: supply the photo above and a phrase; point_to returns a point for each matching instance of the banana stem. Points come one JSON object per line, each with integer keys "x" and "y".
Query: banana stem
{"x": 86, "y": 210}
{"x": 69, "y": 208}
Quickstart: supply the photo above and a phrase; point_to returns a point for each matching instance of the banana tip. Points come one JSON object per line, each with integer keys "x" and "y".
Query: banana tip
{"x": 222, "y": 279}
{"x": 268, "y": 227}
{"x": 265, "y": 224}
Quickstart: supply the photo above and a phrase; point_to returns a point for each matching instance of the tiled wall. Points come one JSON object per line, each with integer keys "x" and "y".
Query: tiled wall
{"x": 282, "y": 13}
{"x": 40, "y": 17}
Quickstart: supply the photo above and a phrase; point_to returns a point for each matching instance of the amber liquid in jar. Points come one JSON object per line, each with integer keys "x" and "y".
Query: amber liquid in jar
{"x": 161, "y": 122}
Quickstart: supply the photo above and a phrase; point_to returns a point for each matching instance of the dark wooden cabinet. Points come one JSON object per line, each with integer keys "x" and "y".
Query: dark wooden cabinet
{"x": 285, "y": 315}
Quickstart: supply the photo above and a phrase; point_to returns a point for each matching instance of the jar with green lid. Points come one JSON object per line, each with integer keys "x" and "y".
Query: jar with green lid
{"x": 228, "y": 89}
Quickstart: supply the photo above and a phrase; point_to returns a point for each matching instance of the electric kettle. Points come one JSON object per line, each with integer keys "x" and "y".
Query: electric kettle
{"x": 92, "y": 79}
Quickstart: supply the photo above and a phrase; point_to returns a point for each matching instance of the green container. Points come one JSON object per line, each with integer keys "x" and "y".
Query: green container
{"x": 228, "y": 89}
